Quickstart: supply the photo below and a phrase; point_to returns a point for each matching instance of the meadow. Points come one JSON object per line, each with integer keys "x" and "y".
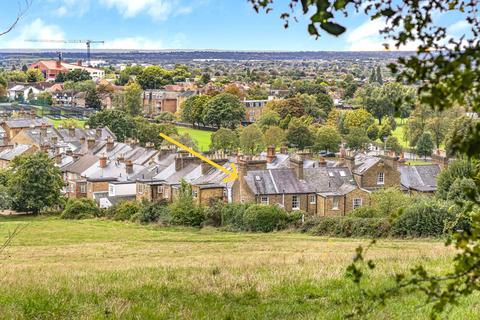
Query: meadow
{"x": 202, "y": 137}
{"x": 95, "y": 269}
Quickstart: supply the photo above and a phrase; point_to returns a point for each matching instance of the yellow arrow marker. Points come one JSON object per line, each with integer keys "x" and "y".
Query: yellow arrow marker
{"x": 231, "y": 175}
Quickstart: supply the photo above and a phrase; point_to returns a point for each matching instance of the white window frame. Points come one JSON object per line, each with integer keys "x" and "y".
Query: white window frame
{"x": 356, "y": 204}
{"x": 160, "y": 189}
{"x": 313, "y": 199}
{"x": 295, "y": 200}
{"x": 195, "y": 193}
{"x": 111, "y": 190}
{"x": 381, "y": 178}
{"x": 336, "y": 203}
{"x": 264, "y": 200}
{"x": 83, "y": 188}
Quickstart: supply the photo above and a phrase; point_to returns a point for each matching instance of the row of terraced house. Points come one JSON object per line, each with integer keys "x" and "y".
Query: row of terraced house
{"x": 96, "y": 166}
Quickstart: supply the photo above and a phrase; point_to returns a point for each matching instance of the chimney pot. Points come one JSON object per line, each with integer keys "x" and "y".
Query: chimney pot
{"x": 129, "y": 166}
{"x": 103, "y": 161}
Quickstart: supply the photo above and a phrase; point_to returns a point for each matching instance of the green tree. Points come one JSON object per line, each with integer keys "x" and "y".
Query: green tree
{"x": 184, "y": 211}
{"x": 145, "y": 132}
{"x": 267, "y": 119}
{"x": 36, "y": 183}
{"x": 224, "y": 110}
{"x": 299, "y": 135}
{"x": 224, "y": 139}
{"x": 205, "y": 78}
{"x": 357, "y": 138}
{"x": 379, "y": 78}
{"x": 77, "y": 75}
{"x": 458, "y": 169}
{"x": 385, "y": 132}
{"x": 127, "y": 74}
{"x": 417, "y": 123}
{"x": 373, "y": 77}
{"x": 44, "y": 98}
{"x": 92, "y": 100}
{"x": 373, "y": 131}
{"x": 359, "y": 118}
{"x": 274, "y": 136}
{"x": 438, "y": 125}
{"x": 193, "y": 109}
{"x": 154, "y": 77}
{"x": 121, "y": 124}
{"x": 34, "y": 75}
{"x": 424, "y": 146}
{"x": 133, "y": 99}
{"x": 327, "y": 138}
{"x": 393, "y": 145}
{"x": 251, "y": 140}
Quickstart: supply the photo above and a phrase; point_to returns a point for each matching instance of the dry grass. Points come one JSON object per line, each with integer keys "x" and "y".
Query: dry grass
{"x": 102, "y": 269}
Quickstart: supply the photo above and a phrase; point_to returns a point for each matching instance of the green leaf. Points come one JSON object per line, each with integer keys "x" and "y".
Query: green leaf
{"x": 333, "y": 28}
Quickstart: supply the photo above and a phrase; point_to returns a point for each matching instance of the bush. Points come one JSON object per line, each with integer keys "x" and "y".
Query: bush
{"x": 152, "y": 212}
{"x": 232, "y": 215}
{"x": 184, "y": 211}
{"x": 427, "y": 218}
{"x": 265, "y": 218}
{"x": 124, "y": 210}
{"x": 80, "y": 209}
{"x": 364, "y": 212}
{"x": 352, "y": 227}
{"x": 213, "y": 214}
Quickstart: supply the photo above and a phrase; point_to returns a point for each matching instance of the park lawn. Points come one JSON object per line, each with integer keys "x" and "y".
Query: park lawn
{"x": 58, "y": 122}
{"x": 94, "y": 269}
{"x": 201, "y": 136}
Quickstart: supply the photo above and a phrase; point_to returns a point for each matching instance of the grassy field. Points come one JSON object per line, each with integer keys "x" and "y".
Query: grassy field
{"x": 78, "y": 123}
{"x": 201, "y": 136}
{"x": 97, "y": 269}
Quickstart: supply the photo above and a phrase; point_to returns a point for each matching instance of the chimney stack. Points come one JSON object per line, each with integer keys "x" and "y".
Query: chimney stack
{"x": 296, "y": 163}
{"x": 150, "y": 145}
{"x": 58, "y": 158}
{"x": 103, "y": 161}
{"x": 98, "y": 132}
{"x": 283, "y": 150}
{"x": 59, "y": 64}
{"x": 129, "y": 166}
{"x": 322, "y": 162}
{"x": 121, "y": 158}
{"x": 110, "y": 144}
{"x": 90, "y": 142}
{"x": 270, "y": 154}
{"x": 71, "y": 131}
{"x": 183, "y": 159}
{"x": 79, "y": 63}
{"x": 43, "y": 131}
{"x": 54, "y": 139}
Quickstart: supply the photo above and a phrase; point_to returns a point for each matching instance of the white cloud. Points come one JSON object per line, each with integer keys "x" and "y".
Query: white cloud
{"x": 459, "y": 27}
{"x": 71, "y": 8}
{"x": 367, "y": 37}
{"x": 36, "y": 30}
{"x": 157, "y": 9}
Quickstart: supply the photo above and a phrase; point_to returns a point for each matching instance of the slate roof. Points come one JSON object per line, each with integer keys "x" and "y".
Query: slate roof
{"x": 82, "y": 164}
{"x": 364, "y": 162}
{"x": 10, "y": 153}
{"x": 420, "y": 177}
{"x": 330, "y": 179}
{"x": 275, "y": 181}
{"x": 115, "y": 170}
{"x": 26, "y": 123}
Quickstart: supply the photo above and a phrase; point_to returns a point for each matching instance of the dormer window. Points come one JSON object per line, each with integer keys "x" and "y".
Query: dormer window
{"x": 381, "y": 178}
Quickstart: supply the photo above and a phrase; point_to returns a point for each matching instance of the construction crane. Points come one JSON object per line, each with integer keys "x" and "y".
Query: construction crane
{"x": 87, "y": 42}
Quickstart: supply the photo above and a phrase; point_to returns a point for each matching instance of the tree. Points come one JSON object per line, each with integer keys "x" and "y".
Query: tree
{"x": 184, "y": 211}
{"x": 292, "y": 107}
{"x": 392, "y": 144}
{"x": 35, "y": 183}
{"x": 325, "y": 102}
{"x": 121, "y": 124}
{"x": 251, "y": 140}
{"x": 385, "y": 132}
{"x": 327, "y": 138}
{"x": 23, "y": 6}
{"x": 224, "y": 110}
{"x": 299, "y": 135}
{"x": 438, "y": 125}
{"x": 154, "y": 77}
{"x": 373, "y": 131}
{"x": 133, "y": 99}
{"x": 461, "y": 131}
{"x": 458, "y": 169}
{"x": 417, "y": 123}
{"x": 34, "y": 75}
{"x": 224, "y": 139}
{"x": 373, "y": 77}
{"x": 234, "y": 90}
{"x": 267, "y": 119}
{"x": 146, "y": 132}
{"x": 127, "y": 74}
{"x": 77, "y": 75}
{"x": 193, "y": 109}
{"x": 424, "y": 146}
{"x": 359, "y": 118}
{"x": 379, "y": 78}
{"x": 350, "y": 90}
{"x": 357, "y": 138}
{"x": 205, "y": 78}
{"x": 274, "y": 136}
{"x": 92, "y": 100}
{"x": 60, "y": 77}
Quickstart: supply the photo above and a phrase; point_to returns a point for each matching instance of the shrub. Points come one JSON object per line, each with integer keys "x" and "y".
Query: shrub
{"x": 125, "y": 210}
{"x": 232, "y": 215}
{"x": 427, "y": 218}
{"x": 184, "y": 211}
{"x": 153, "y": 212}
{"x": 352, "y": 227}
{"x": 265, "y": 218}
{"x": 213, "y": 214}
{"x": 80, "y": 209}
{"x": 364, "y": 212}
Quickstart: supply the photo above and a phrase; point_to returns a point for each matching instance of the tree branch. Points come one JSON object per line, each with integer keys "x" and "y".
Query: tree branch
{"x": 23, "y": 6}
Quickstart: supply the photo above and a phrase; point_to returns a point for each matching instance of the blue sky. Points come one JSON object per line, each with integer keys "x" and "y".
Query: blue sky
{"x": 180, "y": 24}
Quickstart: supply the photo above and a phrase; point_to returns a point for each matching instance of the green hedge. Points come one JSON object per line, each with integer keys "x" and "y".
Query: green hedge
{"x": 351, "y": 227}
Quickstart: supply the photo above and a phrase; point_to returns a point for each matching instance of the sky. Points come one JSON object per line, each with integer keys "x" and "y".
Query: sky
{"x": 183, "y": 24}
